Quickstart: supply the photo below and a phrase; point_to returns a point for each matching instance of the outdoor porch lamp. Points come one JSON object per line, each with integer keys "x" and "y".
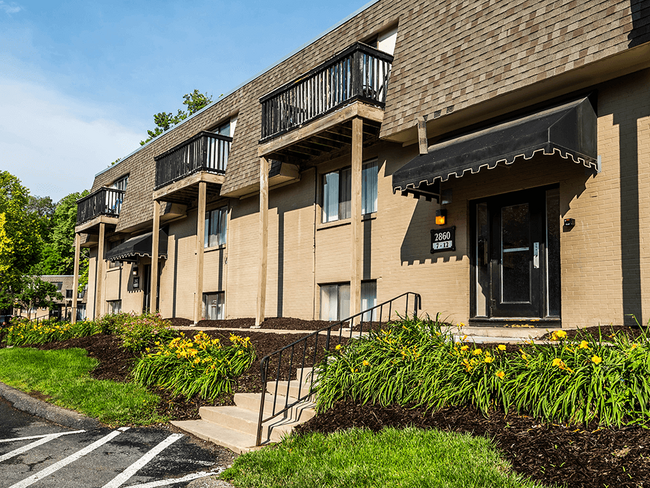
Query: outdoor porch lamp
{"x": 441, "y": 216}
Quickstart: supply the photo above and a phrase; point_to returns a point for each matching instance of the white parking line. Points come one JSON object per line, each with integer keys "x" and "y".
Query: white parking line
{"x": 172, "y": 481}
{"x": 70, "y": 459}
{"x": 122, "y": 478}
{"x": 40, "y": 436}
{"x": 20, "y": 450}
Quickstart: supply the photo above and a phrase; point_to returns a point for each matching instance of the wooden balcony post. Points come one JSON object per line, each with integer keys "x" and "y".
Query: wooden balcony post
{"x": 355, "y": 210}
{"x": 154, "y": 256}
{"x": 99, "y": 272}
{"x": 75, "y": 281}
{"x": 200, "y": 237}
{"x": 264, "y": 239}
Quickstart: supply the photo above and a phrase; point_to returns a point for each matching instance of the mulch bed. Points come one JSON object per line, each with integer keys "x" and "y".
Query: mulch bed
{"x": 547, "y": 453}
{"x": 282, "y": 323}
{"x": 567, "y": 456}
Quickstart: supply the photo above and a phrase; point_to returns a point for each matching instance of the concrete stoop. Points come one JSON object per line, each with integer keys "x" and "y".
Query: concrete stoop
{"x": 235, "y": 427}
{"x": 498, "y": 334}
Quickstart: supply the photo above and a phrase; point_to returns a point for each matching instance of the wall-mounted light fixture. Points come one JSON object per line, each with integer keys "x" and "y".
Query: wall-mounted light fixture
{"x": 569, "y": 223}
{"x": 441, "y": 216}
{"x": 134, "y": 271}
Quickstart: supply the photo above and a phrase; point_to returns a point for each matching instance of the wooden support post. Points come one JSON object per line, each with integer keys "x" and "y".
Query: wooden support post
{"x": 200, "y": 238}
{"x": 154, "y": 257}
{"x": 422, "y": 135}
{"x": 75, "y": 281}
{"x": 99, "y": 273}
{"x": 264, "y": 239}
{"x": 355, "y": 210}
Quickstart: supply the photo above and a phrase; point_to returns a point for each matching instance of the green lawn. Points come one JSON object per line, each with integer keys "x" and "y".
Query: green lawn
{"x": 63, "y": 375}
{"x": 409, "y": 458}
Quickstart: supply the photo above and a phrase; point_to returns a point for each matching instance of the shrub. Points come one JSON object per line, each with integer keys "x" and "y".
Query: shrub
{"x": 200, "y": 365}
{"x": 140, "y": 331}
{"x": 416, "y": 362}
{"x": 25, "y": 332}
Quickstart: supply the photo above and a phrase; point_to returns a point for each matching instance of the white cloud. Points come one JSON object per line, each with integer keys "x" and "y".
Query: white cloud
{"x": 56, "y": 144}
{"x": 11, "y": 8}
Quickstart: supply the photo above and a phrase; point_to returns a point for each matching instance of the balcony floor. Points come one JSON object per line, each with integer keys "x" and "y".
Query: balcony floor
{"x": 305, "y": 145}
{"x": 185, "y": 190}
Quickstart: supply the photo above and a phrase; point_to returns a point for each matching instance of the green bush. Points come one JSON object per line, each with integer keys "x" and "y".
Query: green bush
{"x": 141, "y": 331}
{"x": 199, "y": 365}
{"x": 416, "y": 362}
{"x": 25, "y": 332}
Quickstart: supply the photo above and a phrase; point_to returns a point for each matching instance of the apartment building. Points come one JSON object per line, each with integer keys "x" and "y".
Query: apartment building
{"x": 493, "y": 156}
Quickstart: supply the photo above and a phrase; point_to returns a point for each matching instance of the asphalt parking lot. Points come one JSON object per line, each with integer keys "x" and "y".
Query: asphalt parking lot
{"x": 36, "y": 452}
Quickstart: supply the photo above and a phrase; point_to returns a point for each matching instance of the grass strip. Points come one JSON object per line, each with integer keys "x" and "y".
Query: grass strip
{"x": 392, "y": 457}
{"x": 63, "y": 376}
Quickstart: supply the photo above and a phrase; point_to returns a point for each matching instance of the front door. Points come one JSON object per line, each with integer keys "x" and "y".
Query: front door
{"x": 516, "y": 256}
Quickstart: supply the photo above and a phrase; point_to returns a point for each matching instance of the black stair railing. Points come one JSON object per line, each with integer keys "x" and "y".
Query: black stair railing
{"x": 305, "y": 353}
{"x": 206, "y": 151}
{"x": 360, "y": 72}
{"x": 104, "y": 201}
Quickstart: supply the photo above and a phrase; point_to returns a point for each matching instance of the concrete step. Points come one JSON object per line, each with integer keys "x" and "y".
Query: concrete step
{"x": 497, "y": 334}
{"x": 243, "y": 420}
{"x": 234, "y": 440}
{"x": 251, "y": 401}
{"x": 304, "y": 374}
{"x": 286, "y": 388}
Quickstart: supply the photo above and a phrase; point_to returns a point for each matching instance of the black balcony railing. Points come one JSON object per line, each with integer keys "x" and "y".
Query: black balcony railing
{"x": 360, "y": 72}
{"x": 104, "y": 201}
{"x": 205, "y": 151}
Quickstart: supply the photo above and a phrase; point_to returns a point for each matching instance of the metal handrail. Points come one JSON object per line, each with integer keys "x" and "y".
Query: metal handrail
{"x": 361, "y": 316}
{"x": 103, "y": 201}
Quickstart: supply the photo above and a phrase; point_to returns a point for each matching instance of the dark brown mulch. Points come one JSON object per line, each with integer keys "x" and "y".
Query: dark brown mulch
{"x": 276, "y": 323}
{"x": 605, "y": 331}
{"x": 550, "y": 454}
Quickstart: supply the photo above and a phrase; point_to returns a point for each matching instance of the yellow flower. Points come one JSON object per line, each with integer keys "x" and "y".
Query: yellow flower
{"x": 488, "y": 359}
{"x": 557, "y": 362}
{"x": 561, "y": 334}
{"x": 584, "y": 345}
{"x": 634, "y": 346}
{"x": 464, "y": 348}
{"x": 502, "y": 347}
{"x": 476, "y": 352}
{"x": 462, "y": 324}
{"x": 500, "y": 374}
{"x": 366, "y": 363}
{"x": 339, "y": 346}
{"x": 596, "y": 360}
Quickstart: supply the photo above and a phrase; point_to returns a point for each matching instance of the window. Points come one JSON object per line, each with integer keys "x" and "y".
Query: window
{"x": 216, "y": 222}
{"x": 227, "y": 128}
{"x": 58, "y": 284}
{"x": 369, "y": 299}
{"x": 335, "y": 301}
{"x": 337, "y": 192}
{"x": 113, "y": 245}
{"x": 121, "y": 183}
{"x": 114, "y": 306}
{"x": 68, "y": 294}
{"x": 214, "y": 305}
{"x": 369, "y": 187}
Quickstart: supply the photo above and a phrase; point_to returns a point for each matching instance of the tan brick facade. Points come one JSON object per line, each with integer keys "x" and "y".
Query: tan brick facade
{"x": 460, "y": 64}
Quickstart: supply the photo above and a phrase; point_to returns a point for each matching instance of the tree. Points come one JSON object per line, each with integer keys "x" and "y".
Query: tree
{"x": 20, "y": 238}
{"x": 164, "y": 121}
{"x": 36, "y": 293}
{"x": 57, "y": 256}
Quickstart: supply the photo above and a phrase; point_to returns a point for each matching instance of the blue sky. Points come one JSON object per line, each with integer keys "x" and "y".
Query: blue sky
{"x": 81, "y": 80}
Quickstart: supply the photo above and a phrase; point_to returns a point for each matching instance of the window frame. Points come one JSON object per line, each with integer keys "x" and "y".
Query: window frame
{"x": 369, "y": 173}
{"x": 222, "y": 218}
{"x": 111, "y": 308}
{"x": 221, "y": 296}
{"x": 340, "y": 300}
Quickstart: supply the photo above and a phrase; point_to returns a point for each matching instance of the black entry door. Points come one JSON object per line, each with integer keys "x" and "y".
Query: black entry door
{"x": 515, "y": 267}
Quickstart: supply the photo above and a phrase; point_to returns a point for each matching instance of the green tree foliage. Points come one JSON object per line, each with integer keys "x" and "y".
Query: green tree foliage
{"x": 36, "y": 293}
{"x": 58, "y": 250}
{"x": 20, "y": 238}
{"x": 164, "y": 121}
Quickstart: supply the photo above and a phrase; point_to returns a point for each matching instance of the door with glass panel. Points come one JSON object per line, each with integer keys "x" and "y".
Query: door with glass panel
{"x": 516, "y": 255}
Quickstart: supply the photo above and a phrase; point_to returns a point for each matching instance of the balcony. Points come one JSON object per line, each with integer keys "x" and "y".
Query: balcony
{"x": 203, "y": 157}
{"x": 360, "y": 72}
{"x": 104, "y": 202}
{"x": 312, "y": 112}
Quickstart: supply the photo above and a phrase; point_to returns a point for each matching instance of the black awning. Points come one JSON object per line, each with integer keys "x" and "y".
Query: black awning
{"x": 568, "y": 130}
{"x": 139, "y": 246}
